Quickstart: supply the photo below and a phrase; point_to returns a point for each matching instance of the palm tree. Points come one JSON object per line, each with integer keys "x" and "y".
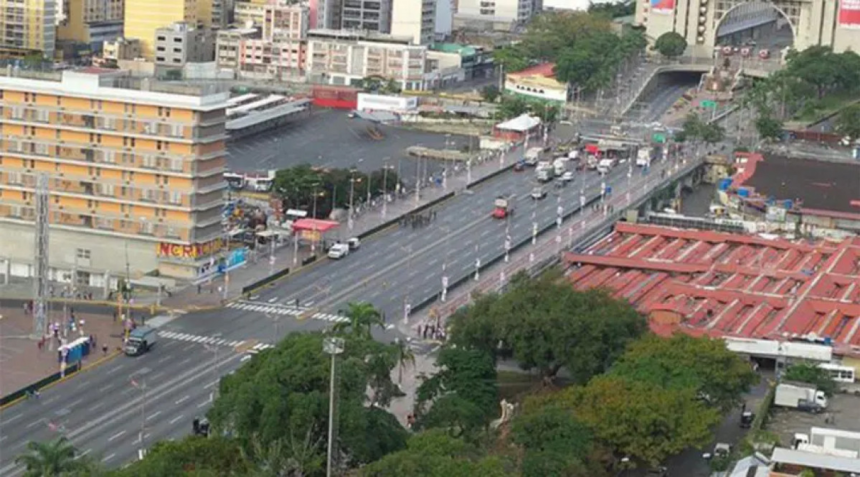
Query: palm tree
{"x": 362, "y": 318}
{"x": 405, "y": 357}
{"x": 50, "y": 459}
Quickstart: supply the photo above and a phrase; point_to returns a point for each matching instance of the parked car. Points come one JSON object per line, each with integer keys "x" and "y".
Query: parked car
{"x": 354, "y": 243}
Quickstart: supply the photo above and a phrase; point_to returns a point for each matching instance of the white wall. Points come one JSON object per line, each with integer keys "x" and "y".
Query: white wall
{"x": 444, "y": 17}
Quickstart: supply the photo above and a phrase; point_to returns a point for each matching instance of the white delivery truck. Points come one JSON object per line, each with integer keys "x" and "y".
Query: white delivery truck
{"x": 605, "y": 165}
{"x": 560, "y": 166}
{"x": 533, "y": 156}
{"x": 140, "y": 340}
{"x": 643, "y": 157}
{"x": 802, "y": 396}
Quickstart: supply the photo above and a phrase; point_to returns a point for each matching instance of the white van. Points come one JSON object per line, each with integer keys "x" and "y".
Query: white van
{"x": 605, "y": 165}
{"x": 338, "y": 251}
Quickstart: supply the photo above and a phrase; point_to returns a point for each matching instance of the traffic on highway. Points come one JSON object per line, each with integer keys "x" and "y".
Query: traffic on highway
{"x": 170, "y": 379}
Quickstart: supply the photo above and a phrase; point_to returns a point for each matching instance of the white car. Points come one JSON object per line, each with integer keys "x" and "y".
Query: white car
{"x": 567, "y": 176}
{"x": 538, "y": 193}
{"x": 338, "y": 251}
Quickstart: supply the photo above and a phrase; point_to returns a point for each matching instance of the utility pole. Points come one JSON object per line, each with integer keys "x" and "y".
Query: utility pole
{"x": 41, "y": 268}
{"x": 333, "y": 347}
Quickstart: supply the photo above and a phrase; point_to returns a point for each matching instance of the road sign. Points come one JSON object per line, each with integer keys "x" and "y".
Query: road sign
{"x": 659, "y": 138}
{"x": 709, "y": 104}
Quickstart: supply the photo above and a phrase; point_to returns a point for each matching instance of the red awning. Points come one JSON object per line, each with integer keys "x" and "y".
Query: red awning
{"x": 315, "y": 225}
{"x": 592, "y": 148}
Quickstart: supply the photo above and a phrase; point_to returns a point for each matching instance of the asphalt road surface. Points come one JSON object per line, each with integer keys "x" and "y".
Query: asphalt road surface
{"x": 100, "y": 410}
{"x": 328, "y": 138}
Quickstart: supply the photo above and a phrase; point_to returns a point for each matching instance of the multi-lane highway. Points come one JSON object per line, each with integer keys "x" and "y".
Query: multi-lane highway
{"x": 103, "y": 412}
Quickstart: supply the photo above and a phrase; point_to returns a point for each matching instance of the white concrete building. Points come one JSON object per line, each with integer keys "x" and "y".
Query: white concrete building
{"x": 339, "y": 57}
{"x": 415, "y": 19}
{"x": 518, "y": 11}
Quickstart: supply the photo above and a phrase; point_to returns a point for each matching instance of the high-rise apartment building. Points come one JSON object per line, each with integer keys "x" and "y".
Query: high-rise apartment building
{"x": 91, "y": 21}
{"x": 26, "y": 27}
{"x": 135, "y": 175}
{"x": 143, "y": 17}
{"x": 514, "y": 11}
{"x": 181, "y": 43}
{"x": 366, "y": 15}
{"x": 415, "y": 19}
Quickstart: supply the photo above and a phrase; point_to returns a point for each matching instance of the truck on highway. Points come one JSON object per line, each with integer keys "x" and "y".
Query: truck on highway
{"x": 533, "y": 155}
{"x": 605, "y": 165}
{"x": 644, "y": 156}
{"x": 504, "y": 207}
{"x": 559, "y": 166}
{"x": 801, "y": 396}
{"x": 544, "y": 175}
{"x": 140, "y": 340}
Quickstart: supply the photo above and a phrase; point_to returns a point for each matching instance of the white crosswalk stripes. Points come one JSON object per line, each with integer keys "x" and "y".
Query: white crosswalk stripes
{"x": 173, "y": 335}
{"x": 275, "y": 309}
{"x": 259, "y": 347}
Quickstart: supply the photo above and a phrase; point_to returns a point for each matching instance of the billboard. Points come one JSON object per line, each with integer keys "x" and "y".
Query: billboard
{"x": 662, "y": 6}
{"x": 849, "y": 14}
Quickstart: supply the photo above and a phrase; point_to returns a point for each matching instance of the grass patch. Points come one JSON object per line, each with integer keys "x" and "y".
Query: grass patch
{"x": 817, "y": 110}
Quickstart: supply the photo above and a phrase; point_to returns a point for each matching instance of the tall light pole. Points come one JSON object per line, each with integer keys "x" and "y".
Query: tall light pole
{"x": 142, "y": 386}
{"x": 351, "y": 199}
{"x": 214, "y": 350}
{"x": 333, "y": 347}
{"x": 418, "y": 179}
{"x": 385, "y": 168}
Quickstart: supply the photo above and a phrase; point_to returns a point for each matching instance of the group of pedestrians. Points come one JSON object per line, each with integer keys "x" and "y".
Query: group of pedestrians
{"x": 417, "y": 220}
{"x": 432, "y": 331}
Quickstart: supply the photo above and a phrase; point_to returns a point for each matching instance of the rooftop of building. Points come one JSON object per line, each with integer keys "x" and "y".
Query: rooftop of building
{"x": 812, "y": 184}
{"x": 462, "y": 50}
{"x": 730, "y": 285}
{"x": 359, "y": 35}
{"x": 545, "y": 70}
{"x": 118, "y": 85}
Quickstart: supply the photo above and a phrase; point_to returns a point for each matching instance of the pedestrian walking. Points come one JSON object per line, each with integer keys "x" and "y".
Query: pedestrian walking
{"x": 104, "y": 350}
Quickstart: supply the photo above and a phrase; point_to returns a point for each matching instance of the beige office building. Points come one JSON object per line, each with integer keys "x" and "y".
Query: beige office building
{"x": 135, "y": 175}
{"x": 27, "y": 27}
{"x": 415, "y": 19}
{"x": 811, "y": 23}
{"x": 143, "y": 17}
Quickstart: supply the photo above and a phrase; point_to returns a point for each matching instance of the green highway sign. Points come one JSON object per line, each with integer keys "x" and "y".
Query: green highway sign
{"x": 658, "y": 138}
{"x": 708, "y": 104}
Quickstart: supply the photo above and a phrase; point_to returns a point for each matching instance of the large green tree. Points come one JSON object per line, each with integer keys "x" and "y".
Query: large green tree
{"x": 545, "y": 325}
{"x": 768, "y": 127}
{"x": 553, "y": 443}
{"x": 462, "y": 396}
{"x": 282, "y": 396}
{"x": 435, "y": 453}
{"x": 639, "y": 420}
{"x": 671, "y": 44}
{"x": 681, "y": 362}
{"x": 362, "y": 318}
{"x": 848, "y": 122}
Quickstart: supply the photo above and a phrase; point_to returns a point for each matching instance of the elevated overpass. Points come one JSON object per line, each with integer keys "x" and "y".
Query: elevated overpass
{"x": 753, "y": 67}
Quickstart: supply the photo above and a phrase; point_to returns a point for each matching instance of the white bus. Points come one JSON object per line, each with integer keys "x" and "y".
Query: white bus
{"x": 840, "y": 374}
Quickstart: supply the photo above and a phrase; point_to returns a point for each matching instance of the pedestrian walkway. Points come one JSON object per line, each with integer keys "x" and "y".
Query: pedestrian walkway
{"x": 173, "y": 335}
{"x": 296, "y": 312}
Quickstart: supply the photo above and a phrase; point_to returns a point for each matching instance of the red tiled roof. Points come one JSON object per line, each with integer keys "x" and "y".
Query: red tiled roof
{"x": 543, "y": 69}
{"x": 730, "y": 285}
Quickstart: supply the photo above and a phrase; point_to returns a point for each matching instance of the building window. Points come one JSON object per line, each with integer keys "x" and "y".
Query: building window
{"x": 82, "y": 254}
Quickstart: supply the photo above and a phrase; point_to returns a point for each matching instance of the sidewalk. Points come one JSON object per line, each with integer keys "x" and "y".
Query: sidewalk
{"x": 24, "y": 362}
{"x": 211, "y": 294}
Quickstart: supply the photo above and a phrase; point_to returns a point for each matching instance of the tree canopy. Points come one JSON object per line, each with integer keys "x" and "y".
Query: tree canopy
{"x": 193, "y": 456}
{"x": 696, "y": 129}
{"x": 546, "y": 325}
{"x": 54, "y": 458}
{"x": 671, "y": 44}
{"x": 553, "y": 443}
{"x": 812, "y": 374}
{"x": 281, "y": 398}
{"x": 438, "y": 454}
{"x": 462, "y": 396}
{"x": 703, "y": 365}
{"x": 583, "y": 47}
{"x": 304, "y": 186}
{"x": 848, "y": 122}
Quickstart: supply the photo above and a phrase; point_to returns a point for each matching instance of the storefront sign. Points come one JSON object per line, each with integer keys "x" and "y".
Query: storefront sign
{"x": 193, "y": 251}
{"x": 849, "y": 14}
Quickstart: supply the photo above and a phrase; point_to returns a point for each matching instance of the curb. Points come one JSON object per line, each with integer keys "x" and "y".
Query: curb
{"x": 88, "y": 367}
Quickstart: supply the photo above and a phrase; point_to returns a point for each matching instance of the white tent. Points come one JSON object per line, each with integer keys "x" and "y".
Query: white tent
{"x": 523, "y": 123}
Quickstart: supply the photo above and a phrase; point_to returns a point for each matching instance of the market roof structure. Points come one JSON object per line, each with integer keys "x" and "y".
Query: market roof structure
{"x": 522, "y": 123}
{"x": 732, "y": 285}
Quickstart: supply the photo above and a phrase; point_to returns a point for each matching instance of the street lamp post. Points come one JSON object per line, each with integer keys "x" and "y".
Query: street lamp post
{"x": 385, "y": 187}
{"x": 351, "y": 201}
{"x": 142, "y": 386}
{"x": 333, "y": 347}
{"x": 418, "y": 179}
{"x": 214, "y": 350}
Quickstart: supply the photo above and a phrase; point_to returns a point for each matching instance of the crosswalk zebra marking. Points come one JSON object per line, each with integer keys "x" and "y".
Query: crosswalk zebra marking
{"x": 173, "y": 335}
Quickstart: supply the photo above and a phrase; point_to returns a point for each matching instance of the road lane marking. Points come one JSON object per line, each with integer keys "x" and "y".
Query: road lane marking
{"x": 116, "y": 436}
{"x": 204, "y": 403}
{"x": 35, "y": 423}
{"x": 156, "y": 375}
{"x": 211, "y": 384}
{"x": 182, "y": 399}
{"x": 184, "y": 361}
{"x": 13, "y": 418}
{"x": 113, "y": 370}
{"x": 108, "y": 457}
{"x": 83, "y": 454}
{"x": 176, "y": 419}
{"x": 74, "y": 403}
{"x": 153, "y": 415}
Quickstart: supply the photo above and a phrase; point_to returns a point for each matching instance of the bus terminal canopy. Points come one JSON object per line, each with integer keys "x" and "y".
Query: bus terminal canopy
{"x": 314, "y": 225}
